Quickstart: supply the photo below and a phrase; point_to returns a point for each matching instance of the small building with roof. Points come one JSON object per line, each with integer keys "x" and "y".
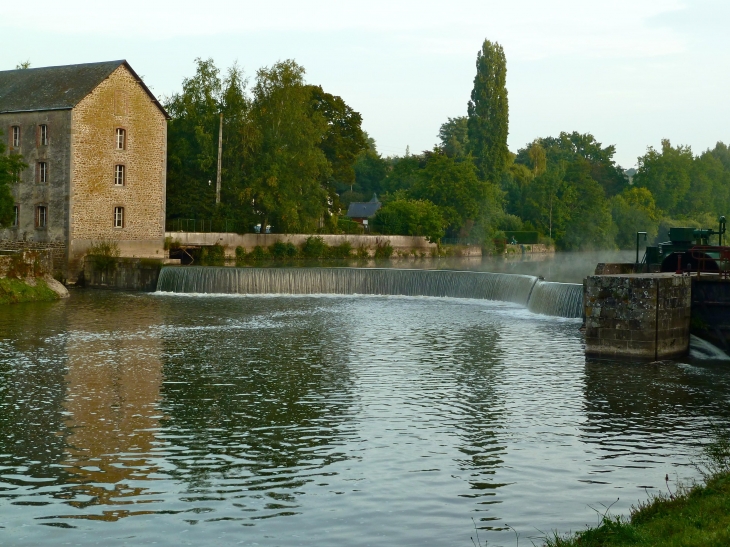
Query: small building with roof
{"x": 95, "y": 141}
{"x": 361, "y": 211}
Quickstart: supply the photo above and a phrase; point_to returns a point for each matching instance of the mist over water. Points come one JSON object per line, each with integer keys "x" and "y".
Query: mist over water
{"x": 329, "y": 420}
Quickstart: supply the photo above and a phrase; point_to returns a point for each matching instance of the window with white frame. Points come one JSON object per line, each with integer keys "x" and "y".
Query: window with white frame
{"x": 121, "y": 139}
{"x": 119, "y": 217}
{"x": 16, "y": 216}
{"x": 42, "y": 171}
{"x": 119, "y": 175}
{"x": 41, "y": 216}
{"x": 15, "y": 136}
{"x": 43, "y": 135}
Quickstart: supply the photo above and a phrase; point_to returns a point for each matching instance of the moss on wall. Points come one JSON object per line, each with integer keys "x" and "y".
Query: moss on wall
{"x": 13, "y": 291}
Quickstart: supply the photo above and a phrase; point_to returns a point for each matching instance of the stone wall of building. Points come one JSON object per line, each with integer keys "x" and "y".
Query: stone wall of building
{"x": 30, "y": 192}
{"x": 118, "y": 102}
{"x": 640, "y": 316}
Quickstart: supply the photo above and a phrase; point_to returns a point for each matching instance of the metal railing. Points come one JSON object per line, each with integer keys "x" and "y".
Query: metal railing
{"x": 207, "y": 225}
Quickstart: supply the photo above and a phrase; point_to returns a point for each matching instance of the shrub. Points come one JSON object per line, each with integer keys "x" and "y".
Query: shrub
{"x": 104, "y": 255}
{"x": 347, "y": 226}
{"x": 384, "y": 250}
{"x": 314, "y": 247}
{"x": 410, "y": 218}
{"x": 362, "y": 252}
{"x": 258, "y": 253}
{"x": 240, "y": 254}
{"x": 214, "y": 255}
{"x": 283, "y": 250}
{"x": 343, "y": 250}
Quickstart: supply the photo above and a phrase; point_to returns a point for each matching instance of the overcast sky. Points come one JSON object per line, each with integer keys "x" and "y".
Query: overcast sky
{"x": 631, "y": 72}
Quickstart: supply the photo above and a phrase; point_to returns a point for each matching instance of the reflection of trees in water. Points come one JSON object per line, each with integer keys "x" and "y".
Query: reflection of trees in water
{"x": 634, "y": 408}
{"x": 479, "y": 411}
{"x": 262, "y": 406}
{"x": 32, "y": 365}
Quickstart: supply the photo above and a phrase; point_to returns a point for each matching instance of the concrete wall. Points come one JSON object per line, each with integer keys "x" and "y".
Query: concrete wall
{"x": 640, "y": 316}
{"x": 118, "y": 102}
{"x": 249, "y": 241}
{"x": 29, "y": 193}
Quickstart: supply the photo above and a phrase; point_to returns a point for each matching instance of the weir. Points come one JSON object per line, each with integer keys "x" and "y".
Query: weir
{"x": 558, "y": 299}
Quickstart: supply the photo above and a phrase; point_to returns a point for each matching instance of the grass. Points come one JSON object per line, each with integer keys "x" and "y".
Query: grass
{"x": 693, "y": 516}
{"x": 13, "y": 291}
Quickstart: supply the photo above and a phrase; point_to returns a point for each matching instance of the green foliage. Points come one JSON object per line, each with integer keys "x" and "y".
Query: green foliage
{"x": 343, "y": 250}
{"x": 410, "y": 217}
{"x": 454, "y": 187}
{"x": 488, "y": 111}
{"x": 214, "y": 255}
{"x": 347, "y": 226}
{"x": 103, "y": 255}
{"x": 240, "y": 254}
{"x": 258, "y": 253}
{"x": 454, "y": 136}
{"x": 10, "y": 168}
{"x": 666, "y": 174}
{"x": 14, "y": 291}
{"x": 314, "y": 247}
{"x": 282, "y": 250}
{"x": 634, "y": 211}
{"x": 383, "y": 250}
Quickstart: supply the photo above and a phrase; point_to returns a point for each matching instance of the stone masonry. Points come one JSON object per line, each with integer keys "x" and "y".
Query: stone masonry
{"x": 63, "y": 120}
{"x": 118, "y": 102}
{"x": 639, "y": 316}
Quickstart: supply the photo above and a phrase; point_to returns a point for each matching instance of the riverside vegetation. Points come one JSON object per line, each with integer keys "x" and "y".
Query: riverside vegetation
{"x": 22, "y": 280}
{"x": 295, "y": 156}
{"x": 692, "y": 516}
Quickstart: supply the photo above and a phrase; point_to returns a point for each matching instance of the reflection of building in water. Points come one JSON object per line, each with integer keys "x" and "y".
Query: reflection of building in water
{"x": 113, "y": 387}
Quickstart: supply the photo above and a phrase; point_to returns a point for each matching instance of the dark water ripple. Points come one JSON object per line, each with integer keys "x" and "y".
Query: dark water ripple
{"x": 325, "y": 421}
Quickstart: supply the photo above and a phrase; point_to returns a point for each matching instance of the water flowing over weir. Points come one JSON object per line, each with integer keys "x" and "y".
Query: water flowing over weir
{"x": 559, "y": 299}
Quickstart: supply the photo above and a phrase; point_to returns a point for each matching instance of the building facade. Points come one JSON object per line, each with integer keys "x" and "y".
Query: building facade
{"x": 95, "y": 141}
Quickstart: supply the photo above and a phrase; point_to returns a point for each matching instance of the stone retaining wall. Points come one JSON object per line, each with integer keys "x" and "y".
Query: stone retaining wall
{"x": 641, "y": 316}
{"x": 131, "y": 274}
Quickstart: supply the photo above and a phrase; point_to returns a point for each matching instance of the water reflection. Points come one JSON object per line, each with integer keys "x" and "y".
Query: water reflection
{"x": 325, "y": 420}
{"x": 257, "y": 406}
{"x": 113, "y": 379}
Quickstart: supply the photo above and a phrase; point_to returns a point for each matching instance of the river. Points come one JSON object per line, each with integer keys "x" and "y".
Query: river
{"x": 327, "y": 420}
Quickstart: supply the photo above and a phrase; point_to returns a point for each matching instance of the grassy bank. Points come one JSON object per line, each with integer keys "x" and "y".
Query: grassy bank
{"x": 696, "y": 516}
{"x": 13, "y": 291}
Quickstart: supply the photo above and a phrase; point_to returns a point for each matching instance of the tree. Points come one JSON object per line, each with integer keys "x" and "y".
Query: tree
{"x": 288, "y": 168}
{"x": 10, "y": 168}
{"x": 344, "y": 139}
{"x": 192, "y": 149}
{"x": 666, "y": 174}
{"x": 411, "y": 217}
{"x": 453, "y": 186}
{"x": 454, "y": 136}
{"x": 634, "y": 210}
{"x": 489, "y": 113}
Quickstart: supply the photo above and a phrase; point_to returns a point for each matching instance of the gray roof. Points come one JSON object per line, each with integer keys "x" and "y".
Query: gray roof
{"x": 56, "y": 87}
{"x": 360, "y": 209}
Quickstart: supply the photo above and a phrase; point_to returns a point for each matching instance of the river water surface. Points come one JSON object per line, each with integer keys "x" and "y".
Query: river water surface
{"x": 129, "y": 419}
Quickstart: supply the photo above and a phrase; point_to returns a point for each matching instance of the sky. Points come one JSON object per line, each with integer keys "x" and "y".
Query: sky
{"x": 630, "y": 72}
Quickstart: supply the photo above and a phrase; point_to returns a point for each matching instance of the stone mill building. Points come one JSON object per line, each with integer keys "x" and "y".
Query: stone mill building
{"x": 94, "y": 138}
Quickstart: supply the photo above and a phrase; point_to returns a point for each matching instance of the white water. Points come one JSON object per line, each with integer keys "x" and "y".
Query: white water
{"x": 547, "y": 298}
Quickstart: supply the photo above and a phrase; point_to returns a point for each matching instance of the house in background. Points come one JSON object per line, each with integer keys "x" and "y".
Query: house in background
{"x": 362, "y": 211}
{"x": 95, "y": 141}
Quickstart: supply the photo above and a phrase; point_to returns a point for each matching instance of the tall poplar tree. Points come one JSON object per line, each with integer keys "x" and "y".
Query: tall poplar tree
{"x": 489, "y": 113}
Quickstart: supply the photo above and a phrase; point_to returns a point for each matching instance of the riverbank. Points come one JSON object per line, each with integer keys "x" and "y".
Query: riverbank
{"x": 15, "y": 291}
{"x": 697, "y": 516}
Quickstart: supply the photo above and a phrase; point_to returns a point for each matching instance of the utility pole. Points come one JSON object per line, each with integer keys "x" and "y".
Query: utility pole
{"x": 220, "y": 160}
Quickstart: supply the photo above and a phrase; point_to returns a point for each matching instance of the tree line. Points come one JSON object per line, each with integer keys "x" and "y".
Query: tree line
{"x": 294, "y": 156}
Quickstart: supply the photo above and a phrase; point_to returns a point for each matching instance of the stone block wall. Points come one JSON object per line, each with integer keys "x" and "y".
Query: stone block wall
{"x": 131, "y": 274}
{"x": 640, "y": 316}
{"x": 118, "y": 102}
{"x": 30, "y": 192}
{"x": 55, "y": 250}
